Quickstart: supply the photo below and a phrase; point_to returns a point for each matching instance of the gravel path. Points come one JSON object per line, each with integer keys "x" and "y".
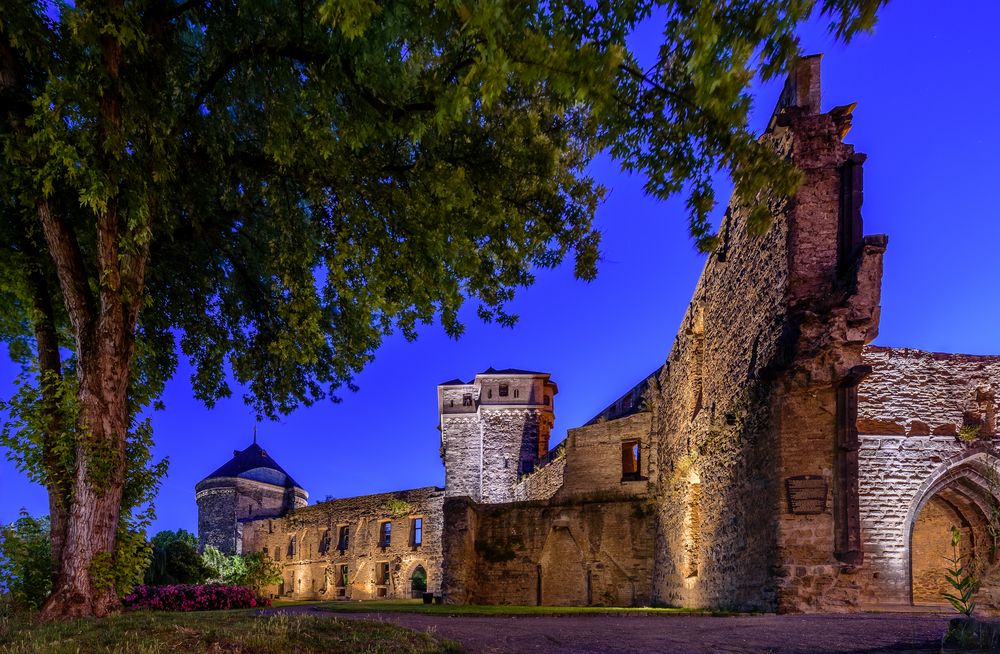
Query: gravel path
{"x": 637, "y": 634}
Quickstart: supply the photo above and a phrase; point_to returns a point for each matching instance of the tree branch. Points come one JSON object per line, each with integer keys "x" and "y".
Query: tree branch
{"x": 70, "y": 268}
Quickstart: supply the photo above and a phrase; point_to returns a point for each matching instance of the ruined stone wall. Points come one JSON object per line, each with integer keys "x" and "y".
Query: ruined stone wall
{"x": 311, "y": 564}
{"x": 921, "y": 393}
{"x": 927, "y": 424}
{"x": 542, "y": 483}
{"x": 594, "y": 457}
{"x": 554, "y": 553}
{"x": 747, "y": 397}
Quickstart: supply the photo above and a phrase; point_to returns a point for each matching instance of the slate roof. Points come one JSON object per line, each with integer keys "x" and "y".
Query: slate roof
{"x": 510, "y": 371}
{"x": 248, "y": 459}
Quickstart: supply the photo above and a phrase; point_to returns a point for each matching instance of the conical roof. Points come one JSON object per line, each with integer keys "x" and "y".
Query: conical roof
{"x": 254, "y": 463}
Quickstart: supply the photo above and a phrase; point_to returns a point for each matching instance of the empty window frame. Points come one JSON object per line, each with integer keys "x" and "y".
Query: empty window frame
{"x": 324, "y": 542}
{"x": 417, "y": 532}
{"x": 467, "y": 399}
{"x": 385, "y": 534}
{"x": 344, "y": 576}
{"x": 292, "y": 550}
{"x": 383, "y": 573}
{"x": 343, "y": 538}
{"x": 504, "y": 390}
{"x": 517, "y": 393}
{"x": 631, "y": 453}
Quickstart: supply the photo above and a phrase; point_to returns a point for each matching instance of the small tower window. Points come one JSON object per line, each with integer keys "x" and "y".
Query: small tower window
{"x": 489, "y": 393}
{"x": 467, "y": 399}
{"x": 516, "y": 392}
{"x": 451, "y": 402}
{"x": 385, "y": 534}
{"x": 504, "y": 390}
{"x": 546, "y": 401}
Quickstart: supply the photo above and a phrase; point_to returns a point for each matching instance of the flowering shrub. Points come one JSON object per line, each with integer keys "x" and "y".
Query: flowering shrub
{"x": 193, "y": 597}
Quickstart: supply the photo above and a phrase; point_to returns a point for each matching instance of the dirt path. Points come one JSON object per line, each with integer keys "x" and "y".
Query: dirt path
{"x": 637, "y": 634}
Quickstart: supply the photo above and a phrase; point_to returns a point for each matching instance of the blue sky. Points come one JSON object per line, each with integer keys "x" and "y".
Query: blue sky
{"x": 928, "y": 96}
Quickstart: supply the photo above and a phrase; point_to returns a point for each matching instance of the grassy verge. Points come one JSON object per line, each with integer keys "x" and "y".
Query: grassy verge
{"x": 228, "y": 632}
{"x": 416, "y": 606}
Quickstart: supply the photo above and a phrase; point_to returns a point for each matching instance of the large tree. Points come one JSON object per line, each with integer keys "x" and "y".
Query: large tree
{"x": 277, "y": 186}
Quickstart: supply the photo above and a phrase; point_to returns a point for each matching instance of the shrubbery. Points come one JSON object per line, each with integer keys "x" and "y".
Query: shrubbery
{"x": 191, "y": 597}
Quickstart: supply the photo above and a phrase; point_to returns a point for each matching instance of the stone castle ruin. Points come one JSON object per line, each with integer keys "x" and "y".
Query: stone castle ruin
{"x": 774, "y": 461}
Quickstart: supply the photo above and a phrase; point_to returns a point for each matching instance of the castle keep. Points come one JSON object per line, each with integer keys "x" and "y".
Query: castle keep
{"x": 776, "y": 460}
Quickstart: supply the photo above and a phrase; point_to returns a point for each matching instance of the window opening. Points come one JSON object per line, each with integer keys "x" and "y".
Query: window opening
{"x": 343, "y": 539}
{"x": 418, "y": 531}
{"x": 467, "y": 399}
{"x": 630, "y": 460}
{"x": 385, "y": 534}
{"x": 504, "y": 390}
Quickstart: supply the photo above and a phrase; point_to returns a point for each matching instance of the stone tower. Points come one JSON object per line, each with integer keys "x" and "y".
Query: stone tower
{"x": 249, "y": 486}
{"x": 493, "y": 429}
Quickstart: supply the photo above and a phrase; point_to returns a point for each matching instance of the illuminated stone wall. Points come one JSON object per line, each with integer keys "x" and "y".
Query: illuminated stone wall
{"x": 305, "y": 543}
{"x": 748, "y": 395}
{"x": 572, "y": 552}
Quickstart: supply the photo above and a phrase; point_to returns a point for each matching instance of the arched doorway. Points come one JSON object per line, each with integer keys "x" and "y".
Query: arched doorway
{"x": 418, "y": 582}
{"x": 964, "y": 497}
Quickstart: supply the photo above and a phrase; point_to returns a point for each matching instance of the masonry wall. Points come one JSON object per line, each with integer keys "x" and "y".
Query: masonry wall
{"x": 747, "y": 397}
{"x": 551, "y": 553}
{"x": 311, "y": 565}
{"x": 594, "y": 457}
{"x": 543, "y": 482}
{"x": 928, "y": 442}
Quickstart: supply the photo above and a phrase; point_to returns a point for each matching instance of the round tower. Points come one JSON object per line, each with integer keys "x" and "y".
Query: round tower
{"x": 250, "y": 486}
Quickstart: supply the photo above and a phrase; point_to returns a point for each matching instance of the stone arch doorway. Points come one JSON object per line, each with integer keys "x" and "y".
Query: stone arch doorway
{"x": 964, "y": 495}
{"x": 418, "y": 582}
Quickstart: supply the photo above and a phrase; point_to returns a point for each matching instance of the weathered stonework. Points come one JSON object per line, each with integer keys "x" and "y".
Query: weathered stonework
{"x": 251, "y": 485}
{"x": 775, "y": 461}
{"x": 307, "y": 542}
{"x": 541, "y": 553}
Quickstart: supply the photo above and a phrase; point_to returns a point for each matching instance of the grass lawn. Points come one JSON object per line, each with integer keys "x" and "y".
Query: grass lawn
{"x": 219, "y": 632}
{"x": 417, "y": 606}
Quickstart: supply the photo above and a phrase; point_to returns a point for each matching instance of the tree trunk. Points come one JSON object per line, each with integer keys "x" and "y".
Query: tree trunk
{"x": 85, "y": 584}
{"x": 53, "y": 421}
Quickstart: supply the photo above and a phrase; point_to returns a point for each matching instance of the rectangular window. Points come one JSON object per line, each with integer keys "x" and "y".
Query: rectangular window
{"x": 277, "y": 553}
{"x": 418, "y": 531}
{"x": 504, "y": 390}
{"x": 265, "y": 551}
{"x": 343, "y": 539}
{"x": 291, "y": 548}
{"x": 630, "y": 460}
{"x": 467, "y": 399}
{"x": 383, "y": 574}
{"x": 324, "y": 542}
{"x": 342, "y": 578}
{"x": 385, "y": 534}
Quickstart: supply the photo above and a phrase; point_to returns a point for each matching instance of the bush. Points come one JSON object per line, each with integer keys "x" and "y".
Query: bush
{"x": 176, "y": 561}
{"x": 26, "y": 561}
{"x": 189, "y": 597}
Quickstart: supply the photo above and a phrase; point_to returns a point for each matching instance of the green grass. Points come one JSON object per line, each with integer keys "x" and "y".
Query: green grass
{"x": 219, "y": 632}
{"x": 416, "y": 606}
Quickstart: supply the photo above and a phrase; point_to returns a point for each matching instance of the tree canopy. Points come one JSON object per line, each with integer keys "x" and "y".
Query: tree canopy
{"x": 270, "y": 189}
